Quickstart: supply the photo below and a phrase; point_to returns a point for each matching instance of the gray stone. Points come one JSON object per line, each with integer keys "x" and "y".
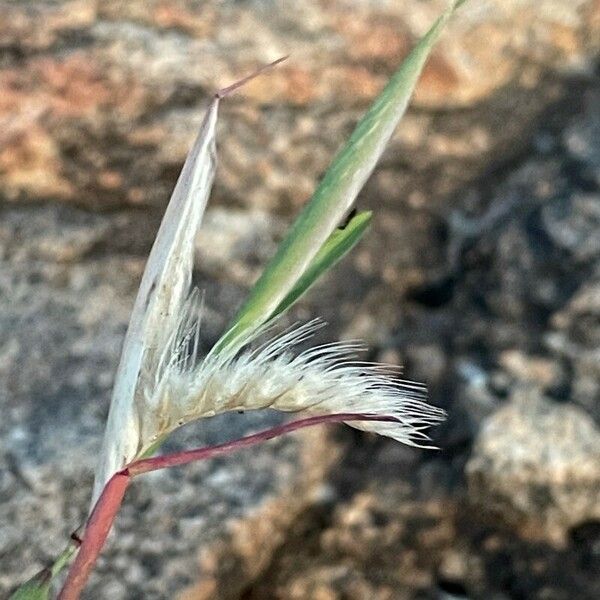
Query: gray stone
{"x": 536, "y": 466}
{"x": 573, "y": 224}
{"x": 233, "y": 245}
{"x": 64, "y": 306}
{"x": 582, "y": 138}
{"x": 575, "y": 335}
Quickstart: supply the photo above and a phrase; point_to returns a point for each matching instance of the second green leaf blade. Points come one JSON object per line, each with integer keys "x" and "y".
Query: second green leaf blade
{"x": 339, "y": 243}
{"x": 293, "y": 264}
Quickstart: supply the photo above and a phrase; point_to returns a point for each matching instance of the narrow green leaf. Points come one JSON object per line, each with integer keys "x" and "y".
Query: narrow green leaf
{"x": 335, "y": 194}
{"x": 37, "y": 588}
{"x": 339, "y": 243}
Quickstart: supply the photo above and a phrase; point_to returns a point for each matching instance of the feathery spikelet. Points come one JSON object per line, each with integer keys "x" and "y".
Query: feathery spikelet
{"x": 321, "y": 380}
{"x": 159, "y": 385}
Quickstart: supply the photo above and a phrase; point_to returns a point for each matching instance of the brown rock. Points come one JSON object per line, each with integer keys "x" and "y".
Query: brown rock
{"x": 84, "y": 82}
{"x": 241, "y": 555}
{"x": 536, "y": 466}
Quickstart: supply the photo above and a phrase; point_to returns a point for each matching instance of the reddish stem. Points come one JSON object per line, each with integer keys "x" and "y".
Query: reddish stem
{"x": 96, "y": 531}
{"x": 185, "y": 457}
{"x": 106, "y": 508}
{"x": 238, "y": 84}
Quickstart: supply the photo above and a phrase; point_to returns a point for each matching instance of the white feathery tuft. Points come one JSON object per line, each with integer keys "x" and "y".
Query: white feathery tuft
{"x": 161, "y": 383}
{"x": 157, "y": 310}
{"x": 325, "y": 379}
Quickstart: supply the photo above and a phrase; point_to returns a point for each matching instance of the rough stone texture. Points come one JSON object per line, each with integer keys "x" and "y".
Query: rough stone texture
{"x": 395, "y": 531}
{"x": 537, "y": 466}
{"x": 576, "y": 338}
{"x": 65, "y": 305}
{"x": 235, "y": 244}
{"x": 100, "y": 99}
{"x": 492, "y": 293}
{"x": 480, "y": 276}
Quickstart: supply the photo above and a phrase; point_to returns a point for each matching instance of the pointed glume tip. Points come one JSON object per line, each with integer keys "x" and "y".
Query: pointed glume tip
{"x": 226, "y": 91}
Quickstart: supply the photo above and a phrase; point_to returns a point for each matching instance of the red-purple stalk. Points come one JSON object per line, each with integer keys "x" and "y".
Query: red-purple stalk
{"x": 238, "y": 84}
{"x": 96, "y": 531}
{"x": 106, "y": 508}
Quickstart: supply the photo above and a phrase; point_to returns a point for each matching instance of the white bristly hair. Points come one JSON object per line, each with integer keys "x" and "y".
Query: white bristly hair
{"x": 324, "y": 379}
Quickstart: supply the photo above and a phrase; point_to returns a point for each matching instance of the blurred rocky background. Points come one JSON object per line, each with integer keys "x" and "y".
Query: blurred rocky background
{"x": 481, "y": 275}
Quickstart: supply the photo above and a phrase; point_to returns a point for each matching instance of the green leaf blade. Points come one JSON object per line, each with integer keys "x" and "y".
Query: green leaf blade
{"x": 335, "y": 194}
{"x": 37, "y": 588}
{"x": 339, "y": 243}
